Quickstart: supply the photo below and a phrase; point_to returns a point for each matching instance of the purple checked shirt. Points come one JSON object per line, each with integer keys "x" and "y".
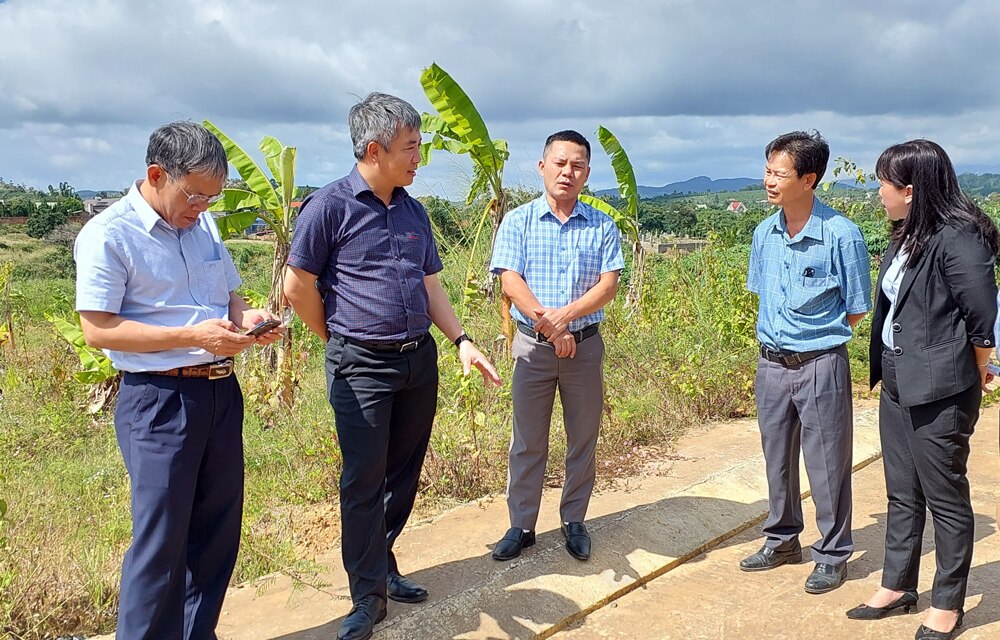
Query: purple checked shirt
{"x": 370, "y": 260}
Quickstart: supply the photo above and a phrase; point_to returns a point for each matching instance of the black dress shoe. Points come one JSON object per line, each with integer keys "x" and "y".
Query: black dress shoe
{"x": 923, "y": 633}
{"x": 577, "y": 540}
{"x": 510, "y": 545}
{"x": 826, "y": 577}
{"x": 768, "y": 558}
{"x": 907, "y": 602}
{"x": 402, "y": 589}
{"x": 361, "y": 621}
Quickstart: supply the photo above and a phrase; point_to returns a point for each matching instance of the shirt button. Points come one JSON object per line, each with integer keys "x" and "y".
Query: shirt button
{"x": 897, "y": 350}
{"x": 896, "y": 328}
{"x": 986, "y": 342}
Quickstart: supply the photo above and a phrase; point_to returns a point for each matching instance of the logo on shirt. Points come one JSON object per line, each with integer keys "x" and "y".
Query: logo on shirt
{"x": 410, "y": 235}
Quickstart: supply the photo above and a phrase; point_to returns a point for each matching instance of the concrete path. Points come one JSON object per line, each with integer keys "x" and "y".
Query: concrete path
{"x": 709, "y": 598}
{"x": 666, "y": 545}
{"x": 712, "y": 489}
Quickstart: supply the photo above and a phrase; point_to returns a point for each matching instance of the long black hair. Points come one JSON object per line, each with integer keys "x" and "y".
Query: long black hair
{"x": 937, "y": 198}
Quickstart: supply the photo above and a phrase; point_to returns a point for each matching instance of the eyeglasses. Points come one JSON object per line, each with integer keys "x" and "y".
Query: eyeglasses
{"x": 198, "y": 200}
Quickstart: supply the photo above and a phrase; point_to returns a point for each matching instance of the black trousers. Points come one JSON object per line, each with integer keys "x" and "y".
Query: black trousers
{"x": 384, "y": 406}
{"x": 925, "y": 451}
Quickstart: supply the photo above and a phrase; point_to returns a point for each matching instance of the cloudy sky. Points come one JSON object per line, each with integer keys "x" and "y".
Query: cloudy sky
{"x": 691, "y": 87}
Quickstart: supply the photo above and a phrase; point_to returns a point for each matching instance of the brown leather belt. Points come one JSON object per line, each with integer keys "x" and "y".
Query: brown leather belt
{"x": 212, "y": 370}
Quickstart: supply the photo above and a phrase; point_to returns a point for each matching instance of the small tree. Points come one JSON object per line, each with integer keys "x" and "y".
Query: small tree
{"x": 43, "y": 219}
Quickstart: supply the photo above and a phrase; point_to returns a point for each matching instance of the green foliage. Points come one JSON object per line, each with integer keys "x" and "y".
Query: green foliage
{"x": 458, "y": 128}
{"x": 95, "y": 367}
{"x": 44, "y": 219}
{"x": 20, "y": 206}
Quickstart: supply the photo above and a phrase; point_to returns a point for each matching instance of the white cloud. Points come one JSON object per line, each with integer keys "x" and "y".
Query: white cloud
{"x": 690, "y": 87}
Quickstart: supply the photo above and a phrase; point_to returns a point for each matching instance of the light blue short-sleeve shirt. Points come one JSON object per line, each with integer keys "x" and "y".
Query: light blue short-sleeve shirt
{"x": 810, "y": 283}
{"x": 560, "y": 261}
{"x": 130, "y": 262}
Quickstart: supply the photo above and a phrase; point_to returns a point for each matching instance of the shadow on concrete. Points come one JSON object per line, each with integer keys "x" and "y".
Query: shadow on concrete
{"x": 478, "y": 597}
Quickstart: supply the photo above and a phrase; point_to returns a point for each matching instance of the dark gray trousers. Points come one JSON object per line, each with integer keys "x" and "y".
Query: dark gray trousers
{"x": 384, "y": 405}
{"x": 808, "y": 404}
{"x": 925, "y": 450}
{"x": 537, "y": 375}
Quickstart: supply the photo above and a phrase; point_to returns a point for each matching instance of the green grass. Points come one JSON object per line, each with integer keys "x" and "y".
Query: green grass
{"x": 685, "y": 355}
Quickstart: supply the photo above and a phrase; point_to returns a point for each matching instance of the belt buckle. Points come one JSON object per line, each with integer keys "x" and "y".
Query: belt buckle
{"x": 219, "y": 371}
{"x": 409, "y": 346}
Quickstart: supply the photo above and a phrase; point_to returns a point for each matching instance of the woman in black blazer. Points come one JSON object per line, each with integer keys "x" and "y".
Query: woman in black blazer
{"x": 932, "y": 334}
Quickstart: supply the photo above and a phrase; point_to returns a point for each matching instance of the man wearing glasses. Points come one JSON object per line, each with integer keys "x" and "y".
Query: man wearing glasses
{"x": 156, "y": 291}
{"x": 811, "y": 269}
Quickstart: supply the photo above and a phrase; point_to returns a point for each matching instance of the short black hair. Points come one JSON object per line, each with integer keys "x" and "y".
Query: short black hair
{"x": 808, "y": 150}
{"x": 567, "y": 136}
{"x": 180, "y": 148}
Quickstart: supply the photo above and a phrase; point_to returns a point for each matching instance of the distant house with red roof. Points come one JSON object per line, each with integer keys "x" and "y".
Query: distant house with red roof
{"x": 736, "y": 207}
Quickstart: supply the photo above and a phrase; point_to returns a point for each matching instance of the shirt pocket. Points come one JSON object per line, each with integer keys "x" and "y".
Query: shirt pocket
{"x": 813, "y": 295}
{"x": 215, "y": 290}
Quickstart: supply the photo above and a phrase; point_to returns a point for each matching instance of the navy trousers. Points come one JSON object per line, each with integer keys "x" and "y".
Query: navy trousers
{"x": 384, "y": 405}
{"x": 182, "y": 441}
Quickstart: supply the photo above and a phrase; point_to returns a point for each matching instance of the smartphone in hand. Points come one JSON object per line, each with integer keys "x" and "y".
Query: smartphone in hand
{"x": 262, "y": 326}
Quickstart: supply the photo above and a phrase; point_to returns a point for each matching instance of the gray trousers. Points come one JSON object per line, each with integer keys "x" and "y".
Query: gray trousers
{"x": 808, "y": 404}
{"x": 537, "y": 375}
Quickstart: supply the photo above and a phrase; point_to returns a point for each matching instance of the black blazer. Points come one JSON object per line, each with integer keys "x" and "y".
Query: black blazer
{"x": 947, "y": 302}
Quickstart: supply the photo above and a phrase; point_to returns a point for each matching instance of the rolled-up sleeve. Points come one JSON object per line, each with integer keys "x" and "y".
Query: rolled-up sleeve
{"x": 101, "y": 273}
{"x": 969, "y": 271}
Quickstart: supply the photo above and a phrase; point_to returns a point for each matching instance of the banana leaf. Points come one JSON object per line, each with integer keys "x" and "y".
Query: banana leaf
{"x": 456, "y": 109}
{"x": 624, "y": 172}
{"x": 247, "y": 169}
{"x": 95, "y": 366}
{"x": 234, "y": 224}
{"x": 622, "y": 220}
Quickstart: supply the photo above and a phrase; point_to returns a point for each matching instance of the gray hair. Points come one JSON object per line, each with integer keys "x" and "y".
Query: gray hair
{"x": 378, "y": 118}
{"x": 180, "y": 148}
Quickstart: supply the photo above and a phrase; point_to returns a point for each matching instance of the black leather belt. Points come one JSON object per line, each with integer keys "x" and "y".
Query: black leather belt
{"x": 580, "y": 335}
{"x": 790, "y": 359}
{"x": 390, "y": 347}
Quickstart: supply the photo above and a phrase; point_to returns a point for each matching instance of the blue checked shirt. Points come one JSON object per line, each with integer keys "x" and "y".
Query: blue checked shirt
{"x": 370, "y": 260}
{"x": 131, "y": 263}
{"x": 560, "y": 262}
{"x": 808, "y": 285}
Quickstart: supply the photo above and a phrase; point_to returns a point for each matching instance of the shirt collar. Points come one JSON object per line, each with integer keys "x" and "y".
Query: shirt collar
{"x": 542, "y": 207}
{"x": 814, "y": 225}
{"x": 359, "y": 185}
{"x": 146, "y": 214}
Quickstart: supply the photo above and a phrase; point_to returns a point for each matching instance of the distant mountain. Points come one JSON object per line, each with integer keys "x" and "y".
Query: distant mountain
{"x": 701, "y": 184}
{"x": 979, "y": 184}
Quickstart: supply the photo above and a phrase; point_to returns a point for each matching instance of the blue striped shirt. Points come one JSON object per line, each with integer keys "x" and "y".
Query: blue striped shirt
{"x": 809, "y": 284}
{"x": 559, "y": 261}
{"x": 370, "y": 260}
{"x": 130, "y": 262}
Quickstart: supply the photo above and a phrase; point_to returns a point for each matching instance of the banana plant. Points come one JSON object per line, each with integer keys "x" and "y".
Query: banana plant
{"x": 95, "y": 367}
{"x": 271, "y": 200}
{"x": 627, "y": 221}
{"x": 459, "y": 128}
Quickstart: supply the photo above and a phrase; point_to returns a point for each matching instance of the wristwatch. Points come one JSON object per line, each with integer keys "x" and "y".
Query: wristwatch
{"x": 462, "y": 338}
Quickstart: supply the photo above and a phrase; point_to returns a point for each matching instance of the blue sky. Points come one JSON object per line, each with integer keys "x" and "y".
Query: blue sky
{"x": 690, "y": 87}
